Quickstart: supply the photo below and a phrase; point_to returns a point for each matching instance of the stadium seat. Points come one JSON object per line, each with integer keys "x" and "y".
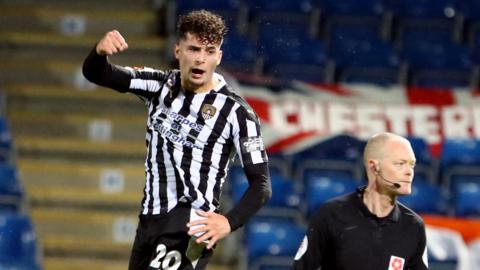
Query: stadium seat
{"x": 285, "y": 200}
{"x": 320, "y": 189}
{"x": 230, "y": 10}
{"x": 288, "y": 10}
{"x": 18, "y": 243}
{"x": 11, "y": 192}
{"x": 466, "y": 198}
{"x": 459, "y": 157}
{"x": 429, "y": 15}
{"x": 351, "y": 13}
{"x": 290, "y": 53}
{"x": 437, "y": 65}
{"x": 444, "y": 247}
{"x": 469, "y": 10}
{"x": 426, "y": 198}
{"x": 239, "y": 54}
{"x": 370, "y": 8}
{"x": 271, "y": 242}
{"x": 425, "y": 168}
{"x": 5, "y": 140}
{"x": 366, "y": 60}
{"x": 339, "y": 153}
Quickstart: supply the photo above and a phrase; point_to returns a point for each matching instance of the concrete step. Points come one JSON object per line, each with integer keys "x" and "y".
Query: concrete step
{"x": 76, "y": 21}
{"x": 103, "y": 126}
{"x": 92, "y": 231}
{"x": 77, "y": 149}
{"x": 62, "y": 263}
{"x": 43, "y": 55}
{"x": 112, "y": 180}
{"x": 85, "y": 4}
{"x": 61, "y": 99}
{"x": 83, "y": 233}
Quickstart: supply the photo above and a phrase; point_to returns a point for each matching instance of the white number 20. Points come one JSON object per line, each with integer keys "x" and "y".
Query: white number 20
{"x": 166, "y": 261}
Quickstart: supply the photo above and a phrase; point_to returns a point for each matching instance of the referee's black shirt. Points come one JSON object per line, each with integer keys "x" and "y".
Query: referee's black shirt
{"x": 345, "y": 235}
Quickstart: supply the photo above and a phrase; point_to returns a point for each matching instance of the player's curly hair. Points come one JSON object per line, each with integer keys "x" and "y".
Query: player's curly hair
{"x": 207, "y": 26}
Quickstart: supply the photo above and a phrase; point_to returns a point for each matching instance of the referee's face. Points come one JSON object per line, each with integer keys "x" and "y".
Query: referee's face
{"x": 398, "y": 165}
{"x": 197, "y": 62}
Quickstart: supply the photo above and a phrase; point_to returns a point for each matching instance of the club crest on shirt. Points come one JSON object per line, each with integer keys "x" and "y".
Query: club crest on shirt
{"x": 396, "y": 263}
{"x": 208, "y": 111}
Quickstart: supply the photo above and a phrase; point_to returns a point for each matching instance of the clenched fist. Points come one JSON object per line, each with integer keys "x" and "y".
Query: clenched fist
{"x": 111, "y": 43}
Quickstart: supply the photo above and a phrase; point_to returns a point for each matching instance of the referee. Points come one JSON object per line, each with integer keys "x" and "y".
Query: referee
{"x": 195, "y": 125}
{"x": 369, "y": 229}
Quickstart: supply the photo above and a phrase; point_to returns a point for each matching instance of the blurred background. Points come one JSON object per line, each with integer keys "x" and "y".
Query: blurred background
{"x": 322, "y": 75}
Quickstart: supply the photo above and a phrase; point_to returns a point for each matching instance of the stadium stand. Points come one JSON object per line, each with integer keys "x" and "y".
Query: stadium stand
{"x": 80, "y": 149}
{"x": 278, "y": 245}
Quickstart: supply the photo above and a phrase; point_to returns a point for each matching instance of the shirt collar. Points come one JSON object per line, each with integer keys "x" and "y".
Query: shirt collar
{"x": 393, "y": 216}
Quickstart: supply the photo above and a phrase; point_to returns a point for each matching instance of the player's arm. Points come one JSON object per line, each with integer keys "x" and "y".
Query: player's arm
{"x": 313, "y": 247}
{"x": 249, "y": 145}
{"x": 216, "y": 226}
{"x": 257, "y": 194}
{"x": 98, "y": 69}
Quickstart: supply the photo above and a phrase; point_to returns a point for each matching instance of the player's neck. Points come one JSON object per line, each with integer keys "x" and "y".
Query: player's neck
{"x": 203, "y": 88}
{"x": 377, "y": 203}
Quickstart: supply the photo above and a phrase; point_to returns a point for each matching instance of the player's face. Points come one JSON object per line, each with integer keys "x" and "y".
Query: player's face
{"x": 197, "y": 62}
{"x": 398, "y": 165}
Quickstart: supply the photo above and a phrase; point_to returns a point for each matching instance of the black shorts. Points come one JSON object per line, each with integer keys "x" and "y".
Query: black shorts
{"x": 162, "y": 243}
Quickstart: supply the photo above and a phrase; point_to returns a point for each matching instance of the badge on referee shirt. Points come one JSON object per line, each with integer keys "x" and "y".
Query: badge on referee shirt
{"x": 208, "y": 111}
{"x": 396, "y": 263}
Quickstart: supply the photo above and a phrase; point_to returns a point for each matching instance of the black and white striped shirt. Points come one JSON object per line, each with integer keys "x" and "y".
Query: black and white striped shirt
{"x": 191, "y": 138}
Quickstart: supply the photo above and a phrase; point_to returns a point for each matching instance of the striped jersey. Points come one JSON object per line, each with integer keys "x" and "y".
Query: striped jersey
{"x": 191, "y": 139}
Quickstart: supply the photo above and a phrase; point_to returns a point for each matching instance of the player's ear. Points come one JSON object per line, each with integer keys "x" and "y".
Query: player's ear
{"x": 220, "y": 55}
{"x": 176, "y": 50}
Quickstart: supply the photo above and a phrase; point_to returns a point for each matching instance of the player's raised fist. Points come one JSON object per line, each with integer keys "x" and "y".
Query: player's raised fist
{"x": 111, "y": 43}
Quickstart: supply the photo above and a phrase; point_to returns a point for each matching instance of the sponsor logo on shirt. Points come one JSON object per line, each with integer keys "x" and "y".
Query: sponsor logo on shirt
{"x": 252, "y": 144}
{"x": 208, "y": 111}
{"x": 396, "y": 263}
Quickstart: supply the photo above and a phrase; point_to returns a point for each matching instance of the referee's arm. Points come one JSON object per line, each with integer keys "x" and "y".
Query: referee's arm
{"x": 420, "y": 259}
{"x": 312, "y": 249}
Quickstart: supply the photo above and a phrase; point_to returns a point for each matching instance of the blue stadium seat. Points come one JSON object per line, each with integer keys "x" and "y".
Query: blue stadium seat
{"x": 361, "y": 56}
{"x": 285, "y": 200}
{"x": 18, "y": 243}
{"x": 228, "y": 9}
{"x": 340, "y": 152}
{"x": 11, "y": 192}
{"x": 424, "y": 20}
{"x": 269, "y": 241}
{"x": 239, "y": 54}
{"x": 300, "y": 59}
{"x": 320, "y": 189}
{"x": 287, "y": 10}
{"x": 424, "y": 168}
{"x": 426, "y": 198}
{"x": 459, "y": 157}
{"x": 5, "y": 140}
{"x": 460, "y": 152}
{"x": 438, "y": 65}
{"x": 351, "y": 13}
{"x": 466, "y": 197}
{"x": 290, "y": 53}
{"x": 371, "y": 8}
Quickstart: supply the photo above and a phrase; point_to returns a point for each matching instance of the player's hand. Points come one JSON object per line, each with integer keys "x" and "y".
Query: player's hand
{"x": 214, "y": 227}
{"x": 111, "y": 43}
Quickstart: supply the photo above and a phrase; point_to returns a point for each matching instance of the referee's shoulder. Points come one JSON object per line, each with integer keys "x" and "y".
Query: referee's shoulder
{"x": 411, "y": 215}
